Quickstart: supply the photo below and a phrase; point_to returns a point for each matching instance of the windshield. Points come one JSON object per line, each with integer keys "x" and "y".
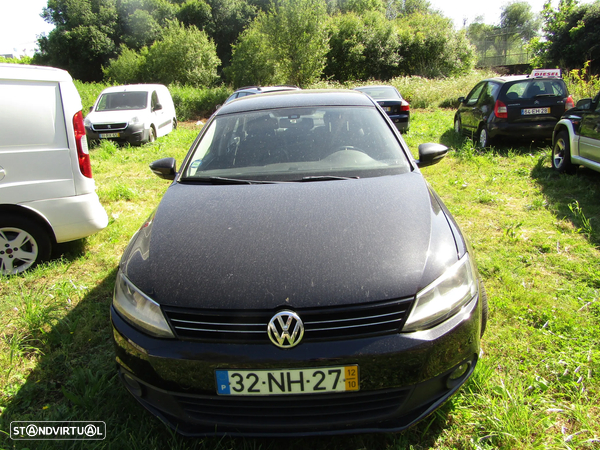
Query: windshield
{"x": 380, "y": 92}
{"x": 295, "y": 144}
{"x": 119, "y": 101}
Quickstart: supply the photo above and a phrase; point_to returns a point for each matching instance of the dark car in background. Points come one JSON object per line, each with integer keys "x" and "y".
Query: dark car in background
{"x": 513, "y": 107}
{"x": 253, "y": 90}
{"x": 299, "y": 277}
{"x": 388, "y": 97}
{"x": 577, "y": 137}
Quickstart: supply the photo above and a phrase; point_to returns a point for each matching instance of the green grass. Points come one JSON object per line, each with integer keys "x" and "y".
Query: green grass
{"x": 535, "y": 236}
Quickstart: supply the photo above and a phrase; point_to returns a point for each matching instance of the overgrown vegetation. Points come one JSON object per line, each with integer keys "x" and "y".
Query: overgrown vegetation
{"x": 535, "y": 236}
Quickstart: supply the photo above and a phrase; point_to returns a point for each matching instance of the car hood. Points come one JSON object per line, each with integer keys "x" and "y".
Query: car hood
{"x": 292, "y": 244}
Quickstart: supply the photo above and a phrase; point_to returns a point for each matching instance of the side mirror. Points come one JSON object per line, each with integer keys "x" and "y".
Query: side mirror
{"x": 91, "y": 108}
{"x": 584, "y": 103}
{"x": 430, "y": 154}
{"x": 165, "y": 168}
{"x": 461, "y": 99}
{"x": 157, "y": 107}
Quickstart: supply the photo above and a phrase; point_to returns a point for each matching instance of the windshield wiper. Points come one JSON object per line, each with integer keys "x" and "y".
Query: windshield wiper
{"x": 224, "y": 180}
{"x": 327, "y": 178}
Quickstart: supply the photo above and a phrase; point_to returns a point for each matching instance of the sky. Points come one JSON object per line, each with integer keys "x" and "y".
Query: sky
{"x": 21, "y": 24}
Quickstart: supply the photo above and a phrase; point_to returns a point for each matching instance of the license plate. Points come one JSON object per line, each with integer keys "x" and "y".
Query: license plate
{"x": 387, "y": 108}
{"x": 290, "y": 381}
{"x": 109, "y": 135}
{"x": 534, "y": 111}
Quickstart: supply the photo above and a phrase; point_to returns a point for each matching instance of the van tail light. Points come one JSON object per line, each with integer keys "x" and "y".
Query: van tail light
{"x": 405, "y": 106}
{"x": 500, "y": 110}
{"x": 83, "y": 152}
{"x": 569, "y": 103}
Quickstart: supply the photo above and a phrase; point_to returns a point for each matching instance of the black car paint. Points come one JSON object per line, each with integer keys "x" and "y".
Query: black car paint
{"x": 308, "y": 244}
{"x": 293, "y": 246}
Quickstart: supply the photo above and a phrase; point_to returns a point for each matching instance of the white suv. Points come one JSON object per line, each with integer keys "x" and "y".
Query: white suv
{"x": 47, "y": 194}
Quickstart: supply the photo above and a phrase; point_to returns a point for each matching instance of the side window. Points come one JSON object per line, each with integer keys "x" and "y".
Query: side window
{"x": 154, "y": 100}
{"x": 488, "y": 94}
{"x": 474, "y": 94}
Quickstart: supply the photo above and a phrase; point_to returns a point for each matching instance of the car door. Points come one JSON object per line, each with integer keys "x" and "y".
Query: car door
{"x": 158, "y": 115}
{"x": 589, "y": 142}
{"x": 470, "y": 113}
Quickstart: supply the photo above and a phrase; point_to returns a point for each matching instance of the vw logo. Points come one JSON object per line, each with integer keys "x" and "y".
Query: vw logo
{"x": 285, "y": 329}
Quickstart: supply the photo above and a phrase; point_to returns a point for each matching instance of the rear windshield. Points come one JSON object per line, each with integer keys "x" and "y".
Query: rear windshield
{"x": 380, "y": 92}
{"x": 290, "y": 144}
{"x": 116, "y": 101}
{"x": 528, "y": 89}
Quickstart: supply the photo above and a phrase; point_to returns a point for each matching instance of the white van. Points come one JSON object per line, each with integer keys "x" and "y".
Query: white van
{"x": 47, "y": 194}
{"x": 136, "y": 113}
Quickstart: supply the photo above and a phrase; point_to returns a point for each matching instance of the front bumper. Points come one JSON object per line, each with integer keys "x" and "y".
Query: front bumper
{"x": 403, "y": 378}
{"x": 134, "y": 134}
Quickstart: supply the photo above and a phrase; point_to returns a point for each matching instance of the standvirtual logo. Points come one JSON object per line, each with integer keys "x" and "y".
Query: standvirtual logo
{"x": 57, "y": 431}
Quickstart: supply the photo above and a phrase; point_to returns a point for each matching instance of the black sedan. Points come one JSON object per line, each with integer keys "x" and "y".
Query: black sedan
{"x": 298, "y": 277}
{"x": 396, "y": 107}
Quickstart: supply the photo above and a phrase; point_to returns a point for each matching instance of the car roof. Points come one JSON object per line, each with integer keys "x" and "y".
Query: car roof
{"x": 511, "y": 78}
{"x": 133, "y": 88}
{"x": 298, "y": 98}
{"x": 32, "y": 73}
{"x": 257, "y": 89}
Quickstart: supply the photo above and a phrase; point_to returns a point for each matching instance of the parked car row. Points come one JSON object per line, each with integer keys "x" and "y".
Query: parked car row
{"x": 536, "y": 106}
{"x": 513, "y": 107}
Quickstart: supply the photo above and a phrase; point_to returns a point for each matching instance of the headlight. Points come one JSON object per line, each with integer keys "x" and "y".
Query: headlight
{"x": 134, "y": 120}
{"x": 87, "y": 123}
{"x": 444, "y": 297}
{"x": 137, "y": 308}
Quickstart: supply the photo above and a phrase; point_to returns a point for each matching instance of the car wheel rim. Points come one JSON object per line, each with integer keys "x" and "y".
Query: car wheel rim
{"x": 483, "y": 138}
{"x": 18, "y": 251}
{"x": 559, "y": 153}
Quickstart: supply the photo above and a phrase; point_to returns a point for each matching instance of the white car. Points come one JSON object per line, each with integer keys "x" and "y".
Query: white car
{"x": 47, "y": 193}
{"x": 136, "y": 113}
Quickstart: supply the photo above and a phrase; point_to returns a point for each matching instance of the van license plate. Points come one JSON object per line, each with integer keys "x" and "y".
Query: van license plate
{"x": 287, "y": 381}
{"x": 534, "y": 111}
{"x": 109, "y": 135}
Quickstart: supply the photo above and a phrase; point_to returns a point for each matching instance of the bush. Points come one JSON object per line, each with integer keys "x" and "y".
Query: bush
{"x": 192, "y": 103}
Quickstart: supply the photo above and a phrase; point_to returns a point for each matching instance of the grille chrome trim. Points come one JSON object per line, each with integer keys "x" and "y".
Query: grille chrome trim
{"x": 250, "y": 326}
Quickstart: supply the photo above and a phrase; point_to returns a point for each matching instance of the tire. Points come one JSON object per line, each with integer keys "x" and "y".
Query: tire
{"x": 561, "y": 154}
{"x": 457, "y": 125}
{"x": 23, "y": 244}
{"x": 484, "y": 307}
{"x": 151, "y": 135}
{"x": 483, "y": 138}
{"x": 174, "y": 123}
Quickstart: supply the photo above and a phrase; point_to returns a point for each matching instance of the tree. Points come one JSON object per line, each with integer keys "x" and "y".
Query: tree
{"x": 254, "y": 61}
{"x": 182, "y": 55}
{"x": 84, "y": 37}
{"x": 571, "y": 36}
{"x": 291, "y": 39}
{"x": 430, "y": 47}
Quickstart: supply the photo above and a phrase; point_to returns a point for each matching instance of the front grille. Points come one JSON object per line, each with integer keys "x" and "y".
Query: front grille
{"x": 312, "y": 411}
{"x": 328, "y": 323}
{"x": 109, "y": 126}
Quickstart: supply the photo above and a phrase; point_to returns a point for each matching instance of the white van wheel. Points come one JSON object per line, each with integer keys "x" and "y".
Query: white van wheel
{"x": 151, "y": 134}
{"x": 23, "y": 244}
